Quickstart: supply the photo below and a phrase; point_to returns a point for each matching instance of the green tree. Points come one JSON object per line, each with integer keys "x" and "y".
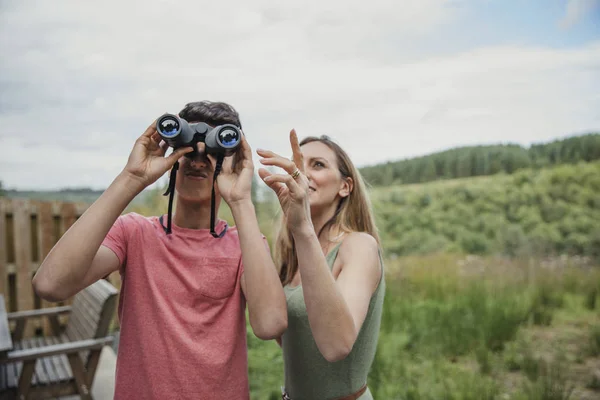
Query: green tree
{"x": 484, "y": 160}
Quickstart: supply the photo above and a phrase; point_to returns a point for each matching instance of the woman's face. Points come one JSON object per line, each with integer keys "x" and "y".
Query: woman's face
{"x": 326, "y": 184}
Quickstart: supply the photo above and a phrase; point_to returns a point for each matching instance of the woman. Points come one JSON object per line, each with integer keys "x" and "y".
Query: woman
{"x": 331, "y": 269}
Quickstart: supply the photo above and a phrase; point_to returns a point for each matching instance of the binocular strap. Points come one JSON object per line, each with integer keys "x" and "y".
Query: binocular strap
{"x": 171, "y": 192}
{"x": 218, "y": 167}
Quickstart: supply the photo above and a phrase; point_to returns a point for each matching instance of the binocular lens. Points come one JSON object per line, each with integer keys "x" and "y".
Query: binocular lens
{"x": 168, "y": 126}
{"x": 229, "y": 137}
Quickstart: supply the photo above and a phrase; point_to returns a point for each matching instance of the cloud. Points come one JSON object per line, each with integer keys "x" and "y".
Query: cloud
{"x": 576, "y": 10}
{"x": 83, "y": 82}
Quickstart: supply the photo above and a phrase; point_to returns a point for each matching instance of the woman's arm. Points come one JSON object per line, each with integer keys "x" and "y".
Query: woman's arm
{"x": 336, "y": 308}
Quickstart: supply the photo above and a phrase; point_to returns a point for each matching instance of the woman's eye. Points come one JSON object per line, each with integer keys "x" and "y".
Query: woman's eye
{"x": 319, "y": 164}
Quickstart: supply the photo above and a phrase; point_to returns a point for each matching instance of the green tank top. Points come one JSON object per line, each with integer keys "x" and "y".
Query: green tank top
{"x": 308, "y": 376}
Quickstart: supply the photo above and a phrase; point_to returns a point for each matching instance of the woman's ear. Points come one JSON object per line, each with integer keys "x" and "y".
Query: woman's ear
{"x": 346, "y": 188}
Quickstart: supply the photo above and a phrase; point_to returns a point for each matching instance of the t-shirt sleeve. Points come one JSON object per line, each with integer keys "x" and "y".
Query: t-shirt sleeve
{"x": 116, "y": 239}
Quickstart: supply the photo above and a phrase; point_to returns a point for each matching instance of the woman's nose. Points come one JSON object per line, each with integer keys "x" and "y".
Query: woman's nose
{"x": 307, "y": 173}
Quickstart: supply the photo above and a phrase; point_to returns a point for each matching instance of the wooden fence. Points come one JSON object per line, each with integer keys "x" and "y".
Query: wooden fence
{"x": 28, "y": 231}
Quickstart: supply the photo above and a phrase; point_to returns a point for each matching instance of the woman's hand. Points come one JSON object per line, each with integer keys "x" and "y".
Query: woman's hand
{"x": 291, "y": 188}
{"x": 147, "y": 161}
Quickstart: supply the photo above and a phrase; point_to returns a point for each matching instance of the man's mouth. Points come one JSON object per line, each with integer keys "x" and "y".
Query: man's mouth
{"x": 196, "y": 175}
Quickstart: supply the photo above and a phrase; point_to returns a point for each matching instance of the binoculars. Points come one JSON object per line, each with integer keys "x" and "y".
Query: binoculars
{"x": 219, "y": 140}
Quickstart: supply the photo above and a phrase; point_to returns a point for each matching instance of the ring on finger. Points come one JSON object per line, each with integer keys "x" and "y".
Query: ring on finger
{"x": 296, "y": 173}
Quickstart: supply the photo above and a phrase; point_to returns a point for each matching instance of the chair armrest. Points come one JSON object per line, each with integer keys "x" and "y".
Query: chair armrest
{"x": 55, "y": 349}
{"x": 38, "y": 313}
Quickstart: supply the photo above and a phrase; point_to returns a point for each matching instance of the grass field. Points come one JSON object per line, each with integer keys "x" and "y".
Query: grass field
{"x": 476, "y": 328}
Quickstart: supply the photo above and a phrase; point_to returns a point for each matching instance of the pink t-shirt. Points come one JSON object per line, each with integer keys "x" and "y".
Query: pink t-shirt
{"x": 181, "y": 311}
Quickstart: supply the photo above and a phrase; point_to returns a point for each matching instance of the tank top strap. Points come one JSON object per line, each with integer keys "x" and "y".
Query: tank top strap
{"x": 332, "y": 255}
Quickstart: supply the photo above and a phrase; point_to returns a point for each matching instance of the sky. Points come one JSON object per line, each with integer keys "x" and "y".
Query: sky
{"x": 387, "y": 79}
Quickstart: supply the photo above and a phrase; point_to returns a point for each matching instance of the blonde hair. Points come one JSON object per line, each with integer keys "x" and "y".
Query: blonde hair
{"x": 353, "y": 213}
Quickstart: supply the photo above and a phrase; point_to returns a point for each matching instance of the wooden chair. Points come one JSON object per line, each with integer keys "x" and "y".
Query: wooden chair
{"x": 65, "y": 363}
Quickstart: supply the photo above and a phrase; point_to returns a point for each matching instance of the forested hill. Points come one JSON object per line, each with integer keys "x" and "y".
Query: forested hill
{"x": 484, "y": 160}
{"x": 541, "y": 212}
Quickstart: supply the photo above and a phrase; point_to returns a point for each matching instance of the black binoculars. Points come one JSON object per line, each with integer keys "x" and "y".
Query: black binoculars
{"x": 177, "y": 132}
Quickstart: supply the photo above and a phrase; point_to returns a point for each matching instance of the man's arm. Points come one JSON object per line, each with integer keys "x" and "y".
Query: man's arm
{"x": 260, "y": 283}
{"x": 77, "y": 260}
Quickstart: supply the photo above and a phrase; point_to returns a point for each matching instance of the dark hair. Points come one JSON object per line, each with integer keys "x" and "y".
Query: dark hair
{"x": 210, "y": 112}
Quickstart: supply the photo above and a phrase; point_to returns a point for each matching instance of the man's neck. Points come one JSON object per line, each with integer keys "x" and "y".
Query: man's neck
{"x": 193, "y": 215}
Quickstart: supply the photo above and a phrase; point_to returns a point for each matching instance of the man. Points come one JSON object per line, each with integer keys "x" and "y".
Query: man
{"x": 183, "y": 295}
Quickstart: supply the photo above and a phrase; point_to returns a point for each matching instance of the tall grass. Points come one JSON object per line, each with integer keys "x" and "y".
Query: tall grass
{"x": 447, "y": 320}
{"x": 451, "y": 330}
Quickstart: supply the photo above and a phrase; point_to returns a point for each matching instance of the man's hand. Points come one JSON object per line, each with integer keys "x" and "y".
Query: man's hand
{"x": 147, "y": 161}
{"x": 235, "y": 183}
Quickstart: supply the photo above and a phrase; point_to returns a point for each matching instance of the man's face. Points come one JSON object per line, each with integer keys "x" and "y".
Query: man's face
{"x": 195, "y": 177}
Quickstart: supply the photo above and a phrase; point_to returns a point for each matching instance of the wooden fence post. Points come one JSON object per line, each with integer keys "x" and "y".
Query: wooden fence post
{"x": 46, "y": 242}
{"x": 22, "y": 240}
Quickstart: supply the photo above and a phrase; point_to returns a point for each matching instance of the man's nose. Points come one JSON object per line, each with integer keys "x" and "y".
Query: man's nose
{"x": 199, "y": 161}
